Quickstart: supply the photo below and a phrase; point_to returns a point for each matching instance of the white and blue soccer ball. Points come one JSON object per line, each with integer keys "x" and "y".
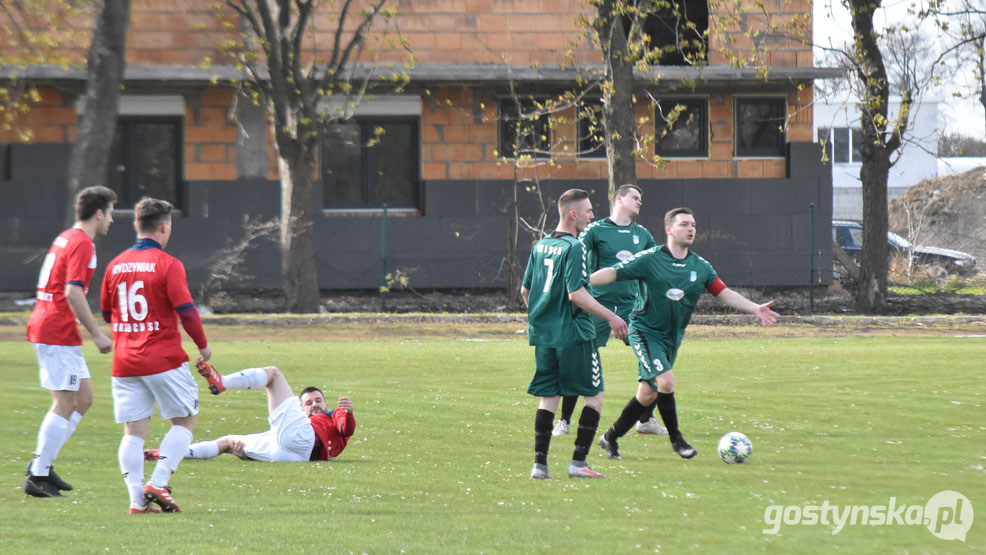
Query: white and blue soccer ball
{"x": 735, "y": 448}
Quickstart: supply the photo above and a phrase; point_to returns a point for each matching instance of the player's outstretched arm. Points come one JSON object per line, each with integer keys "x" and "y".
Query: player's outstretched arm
{"x": 77, "y": 302}
{"x": 763, "y": 312}
{"x": 584, "y": 300}
{"x": 603, "y": 276}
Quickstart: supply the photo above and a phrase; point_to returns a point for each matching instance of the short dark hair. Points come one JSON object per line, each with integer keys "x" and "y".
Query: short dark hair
{"x": 622, "y": 190}
{"x": 669, "y": 217}
{"x": 92, "y": 199}
{"x": 151, "y": 213}
{"x": 568, "y": 197}
{"x": 310, "y": 389}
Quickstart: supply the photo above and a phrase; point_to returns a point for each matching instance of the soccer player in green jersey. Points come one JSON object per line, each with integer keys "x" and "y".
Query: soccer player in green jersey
{"x": 558, "y": 325}
{"x": 673, "y": 279}
{"x": 610, "y": 241}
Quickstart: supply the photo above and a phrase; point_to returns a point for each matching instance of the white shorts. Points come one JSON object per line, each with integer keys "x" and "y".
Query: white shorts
{"x": 290, "y": 438}
{"x": 61, "y": 367}
{"x": 175, "y": 392}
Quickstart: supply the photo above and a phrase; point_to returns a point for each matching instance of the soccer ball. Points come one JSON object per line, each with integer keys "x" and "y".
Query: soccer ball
{"x": 735, "y": 448}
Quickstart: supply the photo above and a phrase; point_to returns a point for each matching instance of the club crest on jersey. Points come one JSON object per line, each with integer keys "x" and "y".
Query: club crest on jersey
{"x": 636, "y": 239}
{"x": 624, "y": 255}
{"x": 693, "y": 276}
{"x": 675, "y": 294}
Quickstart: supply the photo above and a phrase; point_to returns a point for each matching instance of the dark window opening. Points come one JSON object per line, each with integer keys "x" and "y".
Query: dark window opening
{"x": 6, "y": 170}
{"x": 760, "y": 127}
{"x": 682, "y": 128}
{"x": 592, "y": 134}
{"x": 679, "y": 28}
{"x": 370, "y": 162}
{"x": 146, "y": 161}
{"x": 525, "y": 132}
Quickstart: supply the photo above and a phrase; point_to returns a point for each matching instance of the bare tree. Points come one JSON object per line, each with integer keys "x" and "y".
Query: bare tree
{"x": 89, "y": 160}
{"x": 293, "y": 77}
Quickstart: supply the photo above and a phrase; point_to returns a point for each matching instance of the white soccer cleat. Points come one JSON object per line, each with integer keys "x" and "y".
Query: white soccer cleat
{"x": 561, "y": 429}
{"x": 651, "y": 427}
{"x": 583, "y": 472}
{"x": 540, "y": 472}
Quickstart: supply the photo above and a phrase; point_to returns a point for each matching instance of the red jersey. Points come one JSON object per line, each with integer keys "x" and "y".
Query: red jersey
{"x": 333, "y": 430}
{"x": 71, "y": 259}
{"x": 143, "y": 288}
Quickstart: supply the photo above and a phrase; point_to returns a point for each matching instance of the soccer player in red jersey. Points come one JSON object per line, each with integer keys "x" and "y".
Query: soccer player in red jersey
{"x": 144, "y": 295}
{"x": 302, "y": 428}
{"x": 54, "y": 329}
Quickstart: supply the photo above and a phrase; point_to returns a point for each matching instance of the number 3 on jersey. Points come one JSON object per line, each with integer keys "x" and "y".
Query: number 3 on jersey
{"x": 132, "y": 303}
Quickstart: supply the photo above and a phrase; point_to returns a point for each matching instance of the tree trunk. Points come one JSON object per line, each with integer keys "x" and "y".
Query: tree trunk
{"x": 298, "y": 261}
{"x": 89, "y": 160}
{"x": 514, "y": 264}
{"x": 871, "y": 295}
{"x": 618, "y": 120}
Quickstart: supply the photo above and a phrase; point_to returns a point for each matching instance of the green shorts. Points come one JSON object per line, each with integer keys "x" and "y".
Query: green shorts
{"x": 570, "y": 370}
{"x": 602, "y": 328}
{"x": 653, "y": 357}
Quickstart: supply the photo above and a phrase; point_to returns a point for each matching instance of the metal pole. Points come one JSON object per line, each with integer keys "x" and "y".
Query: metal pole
{"x": 811, "y": 256}
{"x": 383, "y": 256}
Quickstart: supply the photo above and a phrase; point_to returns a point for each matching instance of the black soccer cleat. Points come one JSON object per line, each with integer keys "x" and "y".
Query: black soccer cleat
{"x": 611, "y": 447}
{"x": 40, "y": 486}
{"x": 57, "y": 481}
{"x": 683, "y": 448}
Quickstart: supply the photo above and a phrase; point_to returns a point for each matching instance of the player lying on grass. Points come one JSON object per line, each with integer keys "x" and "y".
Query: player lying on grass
{"x": 302, "y": 428}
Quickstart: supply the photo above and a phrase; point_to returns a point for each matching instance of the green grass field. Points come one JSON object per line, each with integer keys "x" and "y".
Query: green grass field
{"x": 443, "y": 449}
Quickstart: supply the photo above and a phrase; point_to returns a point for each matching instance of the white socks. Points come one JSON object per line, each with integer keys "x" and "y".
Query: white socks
{"x": 173, "y": 448}
{"x": 131, "y": 456}
{"x": 251, "y": 378}
{"x": 51, "y": 436}
{"x": 203, "y": 450}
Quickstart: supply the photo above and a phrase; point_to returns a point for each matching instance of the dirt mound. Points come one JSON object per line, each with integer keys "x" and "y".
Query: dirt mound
{"x": 948, "y": 212}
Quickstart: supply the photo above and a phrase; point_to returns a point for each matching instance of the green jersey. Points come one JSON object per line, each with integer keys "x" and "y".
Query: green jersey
{"x": 557, "y": 267}
{"x": 670, "y": 291}
{"x": 610, "y": 244}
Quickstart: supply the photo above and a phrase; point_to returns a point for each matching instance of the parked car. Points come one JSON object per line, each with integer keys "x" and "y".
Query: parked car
{"x": 849, "y": 235}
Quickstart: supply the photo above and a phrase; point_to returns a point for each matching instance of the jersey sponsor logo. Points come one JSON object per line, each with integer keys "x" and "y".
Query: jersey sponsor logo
{"x": 675, "y": 294}
{"x": 42, "y": 296}
{"x": 122, "y": 327}
{"x": 92, "y": 261}
{"x": 624, "y": 255}
{"x": 130, "y": 267}
{"x": 693, "y": 276}
{"x": 60, "y": 242}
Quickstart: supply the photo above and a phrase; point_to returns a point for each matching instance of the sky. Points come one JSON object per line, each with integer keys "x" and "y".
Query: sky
{"x": 965, "y": 116}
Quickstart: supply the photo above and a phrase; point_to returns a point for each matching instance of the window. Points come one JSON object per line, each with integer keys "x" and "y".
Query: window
{"x": 682, "y": 129}
{"x": 145, "y": 160}
{"x": 760, "y": 127}
{"x": 838, "y": 142}
{"x": 678, "y": 28}
{"x": 526, "y": 133}
{"x": 592, "y": 134}
{"x": 369, "y": 162}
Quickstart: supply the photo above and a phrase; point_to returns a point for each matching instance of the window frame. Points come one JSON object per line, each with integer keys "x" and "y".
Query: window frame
{"x": 501, "y": 121}
{"x": 366, "y": 125}
{"x": 704, "y": 133}
{"x": 128, "y": 121}
{"x": 763, "y": 153}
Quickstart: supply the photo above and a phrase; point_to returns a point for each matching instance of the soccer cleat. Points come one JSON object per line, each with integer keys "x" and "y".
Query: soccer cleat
{"x": 152, "y": 454}
{"x": 53, "y": 477}
{"x": 583, "y": 472}
{"x": 161, "y": 496}
{"x": 683, "y": 448}
{"x": 611, "y": 447}
{"x": 40, "y": 486}
{"x": 561, "y": 429}
{"x": 149, "y": 508}
{"x": 651, "y": 427}
{"x": 209, "y": 373}
{"x": 540, "y": 472}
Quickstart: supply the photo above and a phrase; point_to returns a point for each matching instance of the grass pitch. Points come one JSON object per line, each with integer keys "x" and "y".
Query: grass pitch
{"x": 443, "y": 449}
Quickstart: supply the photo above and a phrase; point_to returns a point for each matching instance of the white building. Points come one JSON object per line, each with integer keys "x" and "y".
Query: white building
{"x": 837, "y": 122}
